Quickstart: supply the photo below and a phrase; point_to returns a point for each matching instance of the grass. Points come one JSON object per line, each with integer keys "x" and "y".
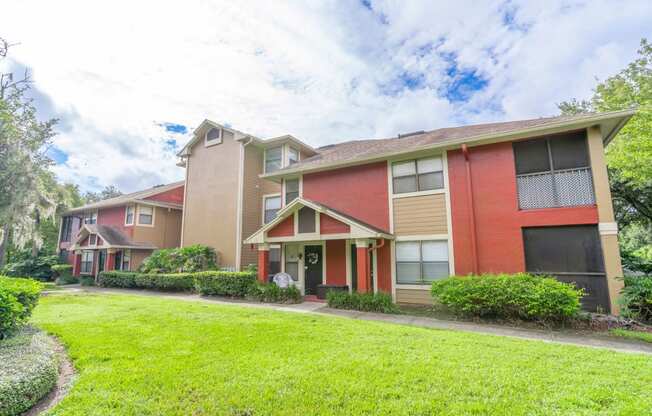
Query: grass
{"x": 636, "y": 335}
{"x": 151, "y": 356}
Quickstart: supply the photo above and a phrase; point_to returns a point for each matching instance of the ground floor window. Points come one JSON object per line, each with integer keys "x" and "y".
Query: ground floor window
{"x": 86, "y": 262}
{"x": 421, "y": 262}
{"x": 123, "y": 260}
{"x": 292, "y": 261}
{"x": 274, "y": 260}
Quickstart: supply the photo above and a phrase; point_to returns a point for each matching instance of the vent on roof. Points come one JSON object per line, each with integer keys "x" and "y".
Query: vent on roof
{"x": 414, "y": 133}
{"x": 328, "y": 146}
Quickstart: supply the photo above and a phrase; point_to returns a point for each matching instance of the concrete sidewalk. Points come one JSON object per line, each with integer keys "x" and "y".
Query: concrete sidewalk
{"x": 318, "y": 308}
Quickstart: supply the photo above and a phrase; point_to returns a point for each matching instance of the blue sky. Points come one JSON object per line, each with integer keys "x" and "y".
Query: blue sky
{"x": 130, "y": 87}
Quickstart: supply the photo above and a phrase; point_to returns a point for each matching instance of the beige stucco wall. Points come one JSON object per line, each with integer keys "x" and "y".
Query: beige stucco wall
{"x": 165, "y": 233}
{"x": 252, "y": 207}
{"x": 414, "y": 296}
{"x": 608, "y": 235}
{"x": 420, "y": 215}
{"x": 137, "y": 257}
{"x": 210, "y": 211}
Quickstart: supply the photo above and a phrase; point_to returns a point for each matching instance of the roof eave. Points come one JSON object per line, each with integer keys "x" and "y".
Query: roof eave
{"x": 477, "y": 140}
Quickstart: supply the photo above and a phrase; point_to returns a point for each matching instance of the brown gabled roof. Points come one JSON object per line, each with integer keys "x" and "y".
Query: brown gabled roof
{"x": 139, "y": 196}
{"x": 111, "y": 236}
{"x": 366, "y": 150}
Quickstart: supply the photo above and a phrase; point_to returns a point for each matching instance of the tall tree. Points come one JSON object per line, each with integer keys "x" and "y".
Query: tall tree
{"x": 629, "y": 155}
{"x": 26, "y": 194}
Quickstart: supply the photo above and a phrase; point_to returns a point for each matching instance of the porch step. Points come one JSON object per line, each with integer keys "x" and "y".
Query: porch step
{"x": 313, "y": 298}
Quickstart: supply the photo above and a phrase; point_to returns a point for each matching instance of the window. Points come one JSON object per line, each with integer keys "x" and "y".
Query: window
{"x": 293, "y": 156}
{"x": 272, "y": 206}
{"x": 292, "y": 261}
{"x": 213, "y": 136}
{"x": 90, "y": 217}
{"x": 126, "y": 260}
{"x": 554, "y": 172}
{"x": 129, "y": 215}
{"x": 86, "y": 262}
{"x": 63, "y": 256}
{"x": 418, "y": 175}
{"x": 306, "y": 220}
{"x": 421, "y": 262}
{"x": 291, "y": 190}
{"x": 92, "y": 239}
{"x": 274, "y": 260}
{"x": 66, "y": 228}
{"x": 273, "y": 159}
{"x": 145, "y": 215}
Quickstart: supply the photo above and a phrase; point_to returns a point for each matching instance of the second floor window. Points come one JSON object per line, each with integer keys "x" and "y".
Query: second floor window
{"x": 66, "y": 228}
{"x": 554, "y": 172}
{"x": 272, "y": 206}
{"x": 90, "y": 217}
{"x": 145, "y": 215}
{"x": 129, "y": 215}
{"x": 418, "y": 175}
{"x": 273, "y": 159}
{"x": 291, "y": 190}
{"x": 293, "y": 155}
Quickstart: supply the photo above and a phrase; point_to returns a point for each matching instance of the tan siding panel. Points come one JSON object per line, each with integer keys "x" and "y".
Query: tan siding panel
{"x": 414, "y": 296}
{"x": 420, "y": 215}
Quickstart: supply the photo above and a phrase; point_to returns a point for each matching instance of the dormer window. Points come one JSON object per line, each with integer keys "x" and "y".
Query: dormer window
{"x": 273, "y": 159}
{"x": 92, "y": 240}
{"x": 213, "y": 136}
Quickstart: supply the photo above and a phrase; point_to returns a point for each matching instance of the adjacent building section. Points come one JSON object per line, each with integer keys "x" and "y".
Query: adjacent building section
{"x": 119, "y": 233}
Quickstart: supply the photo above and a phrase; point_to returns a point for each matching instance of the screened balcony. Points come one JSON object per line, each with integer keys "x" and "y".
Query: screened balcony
{"x": 554, "y": 172}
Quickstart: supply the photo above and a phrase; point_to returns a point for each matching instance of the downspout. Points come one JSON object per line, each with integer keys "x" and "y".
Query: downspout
{"x": 471, "y": 207}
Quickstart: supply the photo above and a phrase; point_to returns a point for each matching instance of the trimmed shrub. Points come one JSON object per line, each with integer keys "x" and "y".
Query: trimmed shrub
{"x": 195, "y": 258}
{"x": 62, "y": 273}
{"x": 39, "y": 267}
{"x": 366, "y": 302}
{"x": 273, "y": 294}
{"x": 234, "y": 284}
{"x": 87, "y": 280}
{"x": 18, "y": 297}
{"x": 29, "y": 370}
{"x": 172, "y": 282}
{"x": 117, "y": 279}
{"x": 636, "y": 298}
{"x": 517, "y": 296}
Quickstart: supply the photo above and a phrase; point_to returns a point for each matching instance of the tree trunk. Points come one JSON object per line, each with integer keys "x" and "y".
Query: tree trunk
{"x": 3, "y": 244}
{"x": 37, "y": 227}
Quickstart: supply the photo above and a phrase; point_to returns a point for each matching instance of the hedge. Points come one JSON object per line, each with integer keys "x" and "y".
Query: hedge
{"x": 63, "y": 274}
{"x": 636, "y": 298}
{"x": 366, "y": 302}
{"x": 29, "y": 370}
{"x": 234, "y": 284}
{"x": 517, "y": 296}
{"x": 222, "y": 283}
{"x": 274, "y": 294}
{"x": 18, "y": 297}
{"x": 195, "y": 258}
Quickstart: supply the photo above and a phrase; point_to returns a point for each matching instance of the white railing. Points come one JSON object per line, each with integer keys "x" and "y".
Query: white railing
{"x": 561, "y": 188}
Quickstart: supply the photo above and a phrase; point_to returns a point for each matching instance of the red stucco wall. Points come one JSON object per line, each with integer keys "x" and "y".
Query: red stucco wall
{"x": 336, "y": 262}
{"x": 115, "y": 216}
{"x": 498, "y": 219}
{"x": 283, "y": 229}
{"x": 359, "y": 191}
{"x": 174, "y": 196}
{"x": 329, "y": 225}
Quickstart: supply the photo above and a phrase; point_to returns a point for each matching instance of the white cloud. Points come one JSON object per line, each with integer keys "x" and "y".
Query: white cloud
{"x": 324, "y": 72}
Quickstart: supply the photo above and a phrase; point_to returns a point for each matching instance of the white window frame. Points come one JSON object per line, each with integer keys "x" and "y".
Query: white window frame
{"x": 265, "y": 198}
{"x": 92, "y": 215}
{"x": 417, "y": 192}
{"x": 81, "y": 266}
{"x": 299, "y": 179}
{"x": 139, "y": 207}
{"x": 125, "y": 254}
{"x": 214, "y": 142}
{"x": 282, "y": 157}
{"x": 133, "y": 215}
{"x": 90, "y": 240}
{"x": 419, "y": 239}
{"x": 289, "y": 151}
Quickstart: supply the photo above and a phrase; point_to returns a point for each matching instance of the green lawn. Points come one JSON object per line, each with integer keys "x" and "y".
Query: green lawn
{"x": 151, "y": 356}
